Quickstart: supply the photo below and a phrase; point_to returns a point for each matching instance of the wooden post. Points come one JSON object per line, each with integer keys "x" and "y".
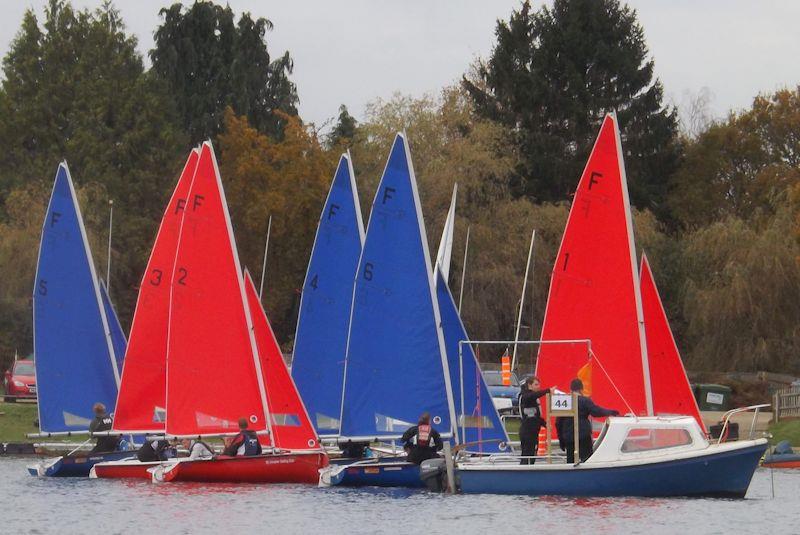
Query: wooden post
{"x": 564, "y": 405}
{"x": 449, "y": 467}
{"x": 776, "y": 415}
{"x": 549, "y": 423}
{"x": 577, "y": 458}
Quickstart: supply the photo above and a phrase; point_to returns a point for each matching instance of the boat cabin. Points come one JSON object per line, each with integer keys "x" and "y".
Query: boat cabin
{"x": 633, "y": 438}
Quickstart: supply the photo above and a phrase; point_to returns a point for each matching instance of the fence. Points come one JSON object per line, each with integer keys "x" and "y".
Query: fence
{"x": 786, "y": 403}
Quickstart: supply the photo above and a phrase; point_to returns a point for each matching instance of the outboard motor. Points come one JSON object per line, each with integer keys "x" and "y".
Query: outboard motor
{"x": 434, "y": 473}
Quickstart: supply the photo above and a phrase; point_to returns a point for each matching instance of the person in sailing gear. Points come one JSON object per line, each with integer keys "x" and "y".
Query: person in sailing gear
{"x": 532, "y": 420}
{"x": 155, "y": 450}
{"x": 566, "y": 429}
{"x": 197, "y": 449}
{"x": 102, "y": 422}
{"x": 422, "y": 441}
{"x": 245, "y": 443}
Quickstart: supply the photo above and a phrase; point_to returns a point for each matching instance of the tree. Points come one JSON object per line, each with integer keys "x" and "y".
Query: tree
{"x": 740, "y": 167}
{"x": 551, "y": 78}
{"x": 75, "y": 89}
{"x": 345, "y": 128}
{"x": 288, "y": 180}
{"x": 209, "y": 62}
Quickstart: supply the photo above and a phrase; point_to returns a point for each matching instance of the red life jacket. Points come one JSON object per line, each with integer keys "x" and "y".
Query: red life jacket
{"x": 424, "y": 435}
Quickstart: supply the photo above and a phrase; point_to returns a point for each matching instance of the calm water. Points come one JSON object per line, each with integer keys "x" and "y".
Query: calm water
{"x": 65, "y": 506}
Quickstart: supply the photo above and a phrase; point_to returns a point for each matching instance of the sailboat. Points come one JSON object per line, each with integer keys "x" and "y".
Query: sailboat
{"x": 396, "y": 366}
{"x": 322, "y": 324}
{"x": 76, "y": 361}
{"x": 215, "y": 344}
{"x": 141, "y": 404}
{"x": 595, "y": 296}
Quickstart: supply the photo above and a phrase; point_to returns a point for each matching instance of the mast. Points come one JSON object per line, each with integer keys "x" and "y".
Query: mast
{"x": 463, "y": 272}
{"x": 637, "y": 292}
{"x": 522, "y": 300}
{"x": 264, "y": 263}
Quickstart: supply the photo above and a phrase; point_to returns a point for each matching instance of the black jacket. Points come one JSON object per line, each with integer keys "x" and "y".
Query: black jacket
{"x": 529, "y": 405}
{"x": 586, "y": 408}
{"x": 103, "y": 444}
{"x": 435, "y": 442}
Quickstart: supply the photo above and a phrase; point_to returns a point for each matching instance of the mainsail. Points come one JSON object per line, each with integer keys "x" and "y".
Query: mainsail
{"x": 321, "y": 338}
{"x": 76, "y": 365}
{"x": 291, "y": 428}
{"x": 142, "y": 394}
{"x": 213, "y": 370}
{"x": 396, "y": 365}
{"x": 594, "y": 288}
{"x": 672, "y": 394}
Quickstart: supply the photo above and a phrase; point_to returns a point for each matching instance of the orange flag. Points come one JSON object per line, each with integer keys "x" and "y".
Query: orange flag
{"x": 585, "y": 375}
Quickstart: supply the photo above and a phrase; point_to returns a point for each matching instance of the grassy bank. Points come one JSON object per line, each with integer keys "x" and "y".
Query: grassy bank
{"x": 16, "y": 419}
{"x": 787, "y": 430}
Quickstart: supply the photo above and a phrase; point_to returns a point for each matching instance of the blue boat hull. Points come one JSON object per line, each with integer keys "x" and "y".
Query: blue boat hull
{"x": 723, "y": 474}
{"x": 379, "y": 474}
{"x": 77, "y": 465}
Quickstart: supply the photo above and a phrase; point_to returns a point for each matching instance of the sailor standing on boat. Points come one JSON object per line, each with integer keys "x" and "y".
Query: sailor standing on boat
{"x": 566, "y": 429}
{"x": 422, "y": 441}
{"x": 102, "y": 422}
{"x": 532, "y": 420}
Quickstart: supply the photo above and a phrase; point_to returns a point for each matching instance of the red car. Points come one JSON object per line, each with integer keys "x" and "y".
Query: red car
{"x": 20, "y": 381}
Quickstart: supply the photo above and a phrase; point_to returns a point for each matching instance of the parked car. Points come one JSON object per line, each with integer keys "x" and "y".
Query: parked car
{"x": 20, "y": 381}
{"x": 505, "y": 398}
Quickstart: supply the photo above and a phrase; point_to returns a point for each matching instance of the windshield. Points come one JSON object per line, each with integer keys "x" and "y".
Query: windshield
{"x": 23, "y": 367}
{"x": 494, "y": 378}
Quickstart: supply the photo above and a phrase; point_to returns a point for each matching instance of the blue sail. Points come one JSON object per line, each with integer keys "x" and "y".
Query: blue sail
{"x": 479, "y": 424}
{"x": 118, "y": 338}
{"x": 396, "y": 367}
{"x": 75, "y": 361}
{"x": 321, "y": 338}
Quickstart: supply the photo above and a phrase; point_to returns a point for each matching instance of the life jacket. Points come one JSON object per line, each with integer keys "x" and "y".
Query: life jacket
{"x": 250, "y": 444}
{"x": 423, "y": 437}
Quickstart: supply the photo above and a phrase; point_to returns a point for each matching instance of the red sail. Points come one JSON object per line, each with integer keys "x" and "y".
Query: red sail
{"x": 291, "y": 428}
{"x": 141, "y": 400}
{"x": 594, "y": 290}
{"x": 672, "y": 394}
{"x": 213, "y": 376}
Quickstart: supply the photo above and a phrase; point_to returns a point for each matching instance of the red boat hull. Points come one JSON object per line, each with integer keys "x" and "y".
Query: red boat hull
{"x": 781, "y": 464}
{"x": 124, "y": 470}
{"x": 273, "y": 468}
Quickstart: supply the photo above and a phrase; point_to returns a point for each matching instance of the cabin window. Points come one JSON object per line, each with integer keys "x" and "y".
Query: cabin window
{"x": 647, "y": 439}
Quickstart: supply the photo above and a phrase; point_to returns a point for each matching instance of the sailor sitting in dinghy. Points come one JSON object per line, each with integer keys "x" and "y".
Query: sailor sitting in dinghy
{"x": 245, "y": 443}
{"x": 197, "y": 449}
{"x": 418, "y": 438}
{"x": 102, "y": 422}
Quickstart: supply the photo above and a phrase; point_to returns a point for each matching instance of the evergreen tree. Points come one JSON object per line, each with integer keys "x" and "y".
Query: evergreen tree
{"x": 75, "y": 89}
{"x": 554, "y": 74}
{"x": 345, "y": 128}
{"x": 210, "y": 62}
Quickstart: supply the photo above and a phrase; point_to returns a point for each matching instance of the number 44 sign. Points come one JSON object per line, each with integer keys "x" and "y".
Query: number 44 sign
{"x": 560, "y": 401}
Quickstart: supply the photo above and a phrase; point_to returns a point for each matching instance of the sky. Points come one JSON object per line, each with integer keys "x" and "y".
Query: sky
{"x": 354, "y": 51}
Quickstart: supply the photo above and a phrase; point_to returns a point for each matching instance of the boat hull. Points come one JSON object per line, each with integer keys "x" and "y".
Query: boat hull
{"x": 125, "y": 469}
{"x": 781, "y": 461}
{"x": 77, "y": 465}
{"x": 376, "y": 474}
{"x": 723, "y": 474}
{"x": 273, "y": 468}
